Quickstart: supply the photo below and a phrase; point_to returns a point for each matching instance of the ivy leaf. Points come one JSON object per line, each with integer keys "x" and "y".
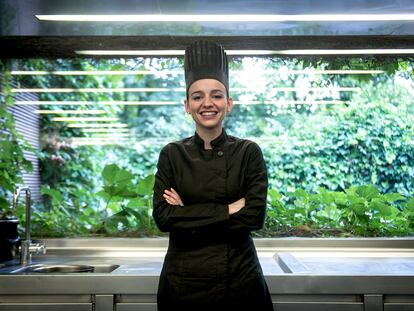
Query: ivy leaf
{"x": 146, "y": 185}
{"x": 274, "y": 196}
{"x": 367, "y": 191}
{"x": 54, "y": 194}
{"x": 409, "y": 205}
{"x": 137, "y": 202}
{"x": 104, "y": 195}
{"x": 112, "y": 174}
{"x": 357, "y": 205}
{"x": 393, "y": 197}
{"x": 383, "y": 208}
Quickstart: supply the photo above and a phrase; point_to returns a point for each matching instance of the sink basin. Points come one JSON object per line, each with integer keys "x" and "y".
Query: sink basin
{"x": 63, "y": 268}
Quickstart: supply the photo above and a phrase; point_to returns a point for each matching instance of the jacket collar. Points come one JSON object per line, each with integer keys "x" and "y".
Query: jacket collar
{"x": 216, "y": 142}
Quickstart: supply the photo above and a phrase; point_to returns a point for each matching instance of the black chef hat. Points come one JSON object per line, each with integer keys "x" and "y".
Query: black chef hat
{"x": 206, "y": 60}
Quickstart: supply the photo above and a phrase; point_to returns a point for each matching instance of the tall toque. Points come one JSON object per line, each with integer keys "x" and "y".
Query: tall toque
{"x": 206, "y": 60}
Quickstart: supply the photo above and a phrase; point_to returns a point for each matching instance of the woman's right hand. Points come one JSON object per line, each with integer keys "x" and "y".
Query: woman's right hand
{"x": 236, "y": 206}
{"x": 172, "y": 197}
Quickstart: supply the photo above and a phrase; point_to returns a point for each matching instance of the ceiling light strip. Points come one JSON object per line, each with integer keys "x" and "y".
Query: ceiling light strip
{"x": 108, "y": 135}
{"x": 295, "y": 89}
{"x": 96, "y": 125}
{"x": 250, "y": 52}
{"x": 181, "y": 72}
{"x": 83, "y": 103}
{"x": 156, "y": 103}
{"x": 105, "y": 130}
{"x": 138, "y": 90}
{"x": 292, "y": 102}
{"x": 98, "y": 72}
{"x": 63, "y": 111}
{"x": 95, "y": 90}
{"x": 224, "y": 17}
{"x": 346, "y": 52}
{"x": 79, "y": 119}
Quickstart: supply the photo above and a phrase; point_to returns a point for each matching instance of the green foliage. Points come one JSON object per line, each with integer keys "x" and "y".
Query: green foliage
{"x": 357, "y": 211}
{"x": 308, "y": 147}
{"x": 62, "y": 217}
{"x": 128, "y": 207}
{"x": 12, "y": 147}
{"x": 368, "y": 141}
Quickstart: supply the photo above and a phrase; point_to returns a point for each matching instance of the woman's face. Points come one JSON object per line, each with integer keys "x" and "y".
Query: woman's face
{"x": 207, "y": 103}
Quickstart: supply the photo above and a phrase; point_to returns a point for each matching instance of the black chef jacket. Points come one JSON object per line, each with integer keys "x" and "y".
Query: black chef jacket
{"x": 211, "y": 259}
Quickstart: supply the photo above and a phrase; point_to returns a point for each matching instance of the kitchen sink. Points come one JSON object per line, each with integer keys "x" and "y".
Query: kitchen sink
{"x": 66, "y": 268}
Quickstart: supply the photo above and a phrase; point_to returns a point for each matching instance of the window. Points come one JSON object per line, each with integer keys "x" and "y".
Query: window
{"x": 337, "y": 135}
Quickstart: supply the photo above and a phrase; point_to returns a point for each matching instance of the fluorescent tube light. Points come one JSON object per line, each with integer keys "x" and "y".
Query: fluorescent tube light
{"x": 108, "y": 90}
{"x": 296, "y": 89}
{"x": 95, "y": 90}
{"x": 345, "y": 52}
{"x": 110, "y": 135}
{"x": 132, "y": 52}
{"x": 99, "y": 125}
{"x": 155, "y": 103}
{"x": 165, "y": 52}
{"x": 105, "y": 130}
{"x": 290, "y": 102}
{"x": 181, "y": 72}
{"x": 97, "y": 138}
{"x": 92, "y": 72}
{"x": 107, "y": 18}
{"x": 63, "y": 111}
{"x": 79, "y": 119}
{"x": 83, "y": 103}
{"x": 96, "y": 72}
{"x": 253, "y": 52}
{"x": 328, "y": 71}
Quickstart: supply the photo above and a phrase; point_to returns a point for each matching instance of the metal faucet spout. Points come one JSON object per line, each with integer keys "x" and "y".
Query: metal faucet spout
{"x": 25, "y": 257}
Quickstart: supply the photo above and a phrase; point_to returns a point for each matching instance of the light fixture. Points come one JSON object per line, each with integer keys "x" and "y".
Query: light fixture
{"x": 290, "y": 102}
{"x": 108, "y": 90}
{"x": 252, "y": 52}
{"x": 132, "y": 52}
{"x": 63, "y": 111}
{"x": 345, "y": 52}
{"x": 95, "y": 90}
{"x": 80, "y": 119}
{"x": 157, "y": 103}
{"x": 181, "y": 72}
{"x": 105, "y": 130}
{"x": 97, "y": 72}
{"x": 77, "y": 143}
{"x": 123, "y": 18}
{"x": 166, "y": 52}
{"x": 296, "y": 89}
{"x": 329, "y": 71}
{"x": 110, "y": 135}
{"x": 98, "y": 125}
{"x": 83, "y": 103}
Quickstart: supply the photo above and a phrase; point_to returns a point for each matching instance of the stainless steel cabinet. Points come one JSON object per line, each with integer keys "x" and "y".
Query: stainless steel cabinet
{"x": 140, "y": 302}
{"x": 46, "y": 302}
{"x": 399, "y": 303}
{"x": 318, "y": 302}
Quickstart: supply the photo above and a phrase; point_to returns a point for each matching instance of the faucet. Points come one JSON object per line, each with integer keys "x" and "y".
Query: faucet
{"x": 27, "y": 247}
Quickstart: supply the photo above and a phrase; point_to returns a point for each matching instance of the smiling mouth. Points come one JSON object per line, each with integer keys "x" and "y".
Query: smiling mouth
{"x": 208, "y": 113}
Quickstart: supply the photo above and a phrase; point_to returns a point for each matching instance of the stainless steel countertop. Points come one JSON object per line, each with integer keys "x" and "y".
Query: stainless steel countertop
{"x": 297, "y": 266}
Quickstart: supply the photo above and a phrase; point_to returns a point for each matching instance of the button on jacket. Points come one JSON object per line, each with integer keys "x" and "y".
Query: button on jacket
{"x": 211, "y": 259}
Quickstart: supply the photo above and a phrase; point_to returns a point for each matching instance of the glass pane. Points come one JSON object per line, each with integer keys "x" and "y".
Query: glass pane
{"x": 337, "y": 135}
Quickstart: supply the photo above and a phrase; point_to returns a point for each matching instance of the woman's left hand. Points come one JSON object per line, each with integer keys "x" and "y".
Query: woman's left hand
{"x": 172, "y": 197}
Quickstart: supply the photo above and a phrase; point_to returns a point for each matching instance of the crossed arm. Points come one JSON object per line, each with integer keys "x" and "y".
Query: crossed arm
{"x": 173, "y": 198}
